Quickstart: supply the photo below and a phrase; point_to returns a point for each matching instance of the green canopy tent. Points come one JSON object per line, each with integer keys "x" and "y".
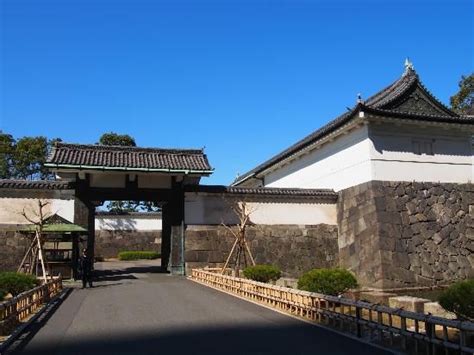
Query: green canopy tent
{"x": 59, "y": 247}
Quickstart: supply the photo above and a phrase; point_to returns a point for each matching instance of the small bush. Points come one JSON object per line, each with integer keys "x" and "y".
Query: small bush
{"x": 327, "y": 281}
{"x": 262, "y": 273}
{"x": 2, "y": 295}
{"x": 459, "y": 299}
{"x": 16, "y": 283}
{"x": 137, "y": 255}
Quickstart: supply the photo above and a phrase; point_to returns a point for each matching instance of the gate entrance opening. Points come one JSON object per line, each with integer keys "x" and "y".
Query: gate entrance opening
{"x": 103, "y": 173}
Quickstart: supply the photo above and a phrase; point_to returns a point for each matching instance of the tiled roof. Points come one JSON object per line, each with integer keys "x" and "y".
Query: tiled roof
{"x": 267, "y": 191}
{"x": 78, "y": 156}
{"x": 35, "y": 184}
{"x": 389, "y": 102}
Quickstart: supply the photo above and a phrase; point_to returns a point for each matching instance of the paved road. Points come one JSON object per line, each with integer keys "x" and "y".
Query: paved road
{"x": 133, "y": 311}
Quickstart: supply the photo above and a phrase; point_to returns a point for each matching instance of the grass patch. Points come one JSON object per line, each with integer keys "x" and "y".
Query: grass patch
{"x": 138, "y": 255}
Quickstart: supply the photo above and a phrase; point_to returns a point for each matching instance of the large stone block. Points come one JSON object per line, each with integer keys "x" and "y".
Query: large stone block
{"x": 408, "y": 303}
{"x": 435, "y": 309}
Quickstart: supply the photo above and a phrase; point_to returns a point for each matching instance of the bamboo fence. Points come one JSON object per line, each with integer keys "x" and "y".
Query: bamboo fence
{"x": 412, "y": 332}
{"x": 21, "y": 307}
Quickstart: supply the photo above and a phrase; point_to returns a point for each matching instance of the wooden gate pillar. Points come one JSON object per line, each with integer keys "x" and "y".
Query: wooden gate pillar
{"x": 177, "y": 230}
{"x": 166, "y": 236}
{"x": 84, "y": 216}
{"x": 84, "y": 213}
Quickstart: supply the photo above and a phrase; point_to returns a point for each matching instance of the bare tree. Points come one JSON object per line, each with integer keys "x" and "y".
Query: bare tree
{"x": 35, "y": 250}
{"x": 240, "y": 249}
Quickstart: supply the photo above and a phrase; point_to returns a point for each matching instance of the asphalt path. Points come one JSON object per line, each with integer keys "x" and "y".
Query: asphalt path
{"x": 133, "y": 309}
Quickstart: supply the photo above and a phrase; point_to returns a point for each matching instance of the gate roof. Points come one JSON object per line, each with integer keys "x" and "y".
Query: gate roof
{"x": 118, "y": 158}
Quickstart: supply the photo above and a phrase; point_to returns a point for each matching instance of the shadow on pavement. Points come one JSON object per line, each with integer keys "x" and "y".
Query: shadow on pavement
{"x": 36, "y": 325}
{"x": 126, "y": 273}
{"x": 244, "y": 339}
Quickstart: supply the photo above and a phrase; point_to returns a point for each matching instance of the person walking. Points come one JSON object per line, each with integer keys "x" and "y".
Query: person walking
{"x": 85, "y": 268}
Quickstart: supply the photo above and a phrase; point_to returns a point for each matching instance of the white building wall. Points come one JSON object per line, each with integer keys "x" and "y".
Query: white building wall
{"x": 128, "y": 223}
{"x": 213, "y": 209}
{"x": 393, "y": 154}
{"x": 11, "y": 209}
{"x": 337, "y": 165}
{"x": 383, "y": 152}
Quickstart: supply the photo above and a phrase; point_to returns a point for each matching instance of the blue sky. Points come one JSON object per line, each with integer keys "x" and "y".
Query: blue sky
{"x": 245, "y": 79}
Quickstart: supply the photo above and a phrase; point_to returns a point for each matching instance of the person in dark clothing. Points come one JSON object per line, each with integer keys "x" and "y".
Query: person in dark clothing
{"x": 85, "y": 268}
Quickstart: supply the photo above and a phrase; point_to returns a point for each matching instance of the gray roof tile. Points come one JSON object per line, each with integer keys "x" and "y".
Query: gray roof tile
{"x": 127, "y": 158}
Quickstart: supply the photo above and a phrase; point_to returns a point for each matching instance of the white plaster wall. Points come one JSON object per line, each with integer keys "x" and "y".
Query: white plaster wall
{"x": 128, "y": 223}
{"x": 382, "y": 152}
{"x": 11, "y": 208}
{"x": 64, "y": 208}
{"x": 293, "y": 213}
{"x": 213, "y": 209}
{"x": 157, "y": 181}
{"x": 393, "y": 157}
{"x": 337, "y": 165}
{"x": 107, "y": 179}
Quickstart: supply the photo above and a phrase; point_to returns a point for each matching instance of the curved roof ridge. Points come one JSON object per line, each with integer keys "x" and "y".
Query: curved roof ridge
{"x": 437, "y": 101}
{"x": 394, "y": 90}
{"x": 402, "y": 86}
{"x": 127, "y": 148}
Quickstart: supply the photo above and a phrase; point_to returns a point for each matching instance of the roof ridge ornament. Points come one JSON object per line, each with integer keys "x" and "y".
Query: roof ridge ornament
{"x": 409, "y": 67}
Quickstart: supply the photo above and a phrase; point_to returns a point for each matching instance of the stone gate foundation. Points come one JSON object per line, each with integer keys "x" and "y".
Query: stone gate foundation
{"x": 402, "y": 234}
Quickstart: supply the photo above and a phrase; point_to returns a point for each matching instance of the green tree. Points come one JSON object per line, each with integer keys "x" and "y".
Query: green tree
{"x": 112, "y": 138}
{"x": 7, "y": 147}
{"x": 24, "y": 158}
{"x": 459, "y": 298}
{"x": 463, "y": 101}
{"x": 29, "y": 156}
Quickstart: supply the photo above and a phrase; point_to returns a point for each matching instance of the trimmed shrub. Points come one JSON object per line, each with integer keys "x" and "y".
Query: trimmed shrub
{"x": 459, "y": 299}
{"x": 327, "y": 281}
{"x": 2, "y": 295}
{"x": 262, "y": 273}
{"x": 16, "y": 283}
{"x": 137, "y": 255}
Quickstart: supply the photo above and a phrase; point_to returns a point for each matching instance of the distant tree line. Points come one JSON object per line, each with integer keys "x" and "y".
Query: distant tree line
{"x": 24, "y": 158}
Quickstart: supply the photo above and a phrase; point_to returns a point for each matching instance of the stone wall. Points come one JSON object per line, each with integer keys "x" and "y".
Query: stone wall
{"x": 401, "y": 234}
{"x": 13, "y": 247}
{"x": 358, "y": 234}
{"x": 109, "y": 243}
{"x": 294, "y": 248}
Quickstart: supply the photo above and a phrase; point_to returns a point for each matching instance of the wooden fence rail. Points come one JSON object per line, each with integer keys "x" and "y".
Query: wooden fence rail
{"x": 20, "y": 307}
{"x": 413, "y": 332}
